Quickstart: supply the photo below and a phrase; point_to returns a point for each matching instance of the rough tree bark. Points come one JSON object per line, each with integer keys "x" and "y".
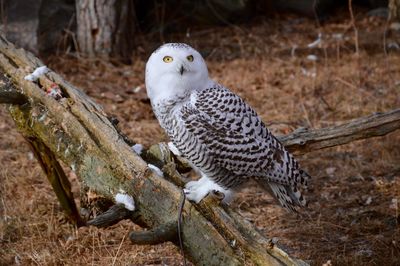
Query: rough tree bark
{"x": 105, "y": 28}
{"x": 76, "y": 131}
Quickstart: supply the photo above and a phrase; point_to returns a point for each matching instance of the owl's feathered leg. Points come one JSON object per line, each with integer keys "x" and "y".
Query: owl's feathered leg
{"x": 197, "y": 190}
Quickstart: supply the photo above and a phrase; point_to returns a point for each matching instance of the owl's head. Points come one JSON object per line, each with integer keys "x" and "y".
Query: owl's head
{"x": 174, "y": 69}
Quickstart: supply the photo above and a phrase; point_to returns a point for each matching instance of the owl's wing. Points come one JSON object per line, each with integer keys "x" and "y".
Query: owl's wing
{"x": 236, "y": 139}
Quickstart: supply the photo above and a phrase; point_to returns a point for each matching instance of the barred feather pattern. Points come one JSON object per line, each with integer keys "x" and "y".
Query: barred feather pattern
{"x": 226, "y": 140}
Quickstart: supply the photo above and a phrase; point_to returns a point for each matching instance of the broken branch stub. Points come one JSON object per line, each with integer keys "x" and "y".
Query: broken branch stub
{"x": 157, "y": 235}
{"x": 112, "y": 216}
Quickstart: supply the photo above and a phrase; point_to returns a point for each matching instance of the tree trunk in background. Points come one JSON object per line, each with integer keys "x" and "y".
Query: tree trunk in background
{"x": 394, "y": 9}
{"x": 105, "y": 28}
{"x": 56, "y": 21}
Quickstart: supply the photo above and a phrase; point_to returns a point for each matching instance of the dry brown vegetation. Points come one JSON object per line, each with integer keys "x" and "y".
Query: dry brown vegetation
{"x": 353, "y": 215}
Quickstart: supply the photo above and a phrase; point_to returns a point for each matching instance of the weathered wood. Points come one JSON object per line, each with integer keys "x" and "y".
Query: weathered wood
{"x": 157, "y": 235}
{"x": 57, "y": 179}
{"x": 77, "y": 131}
{"x": 303, "y": 141}
{"x": 8, "y": 94}
{"x": 112, "y": 216}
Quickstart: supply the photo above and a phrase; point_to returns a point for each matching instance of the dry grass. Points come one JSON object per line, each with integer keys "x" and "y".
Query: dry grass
{"x": 353, "y": 216}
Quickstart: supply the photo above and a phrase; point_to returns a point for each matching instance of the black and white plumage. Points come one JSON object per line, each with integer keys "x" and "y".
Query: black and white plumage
{"x": 216, "y": 131}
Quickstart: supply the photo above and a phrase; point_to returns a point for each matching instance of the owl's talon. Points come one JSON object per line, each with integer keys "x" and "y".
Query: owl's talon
{"x": 195, "y": 195}
{"x": 219, "y": 195}
{"x": 197, "y": 190}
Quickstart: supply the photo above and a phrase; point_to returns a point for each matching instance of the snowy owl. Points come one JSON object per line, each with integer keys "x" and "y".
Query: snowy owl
{"x": 221, "y": 136}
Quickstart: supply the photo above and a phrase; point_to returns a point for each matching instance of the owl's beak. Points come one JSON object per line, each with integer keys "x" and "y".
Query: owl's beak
{"x": 182, "y": 69}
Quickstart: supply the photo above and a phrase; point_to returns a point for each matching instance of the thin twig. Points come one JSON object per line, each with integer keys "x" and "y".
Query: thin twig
{"x": 116, "y": 255}
{"x": 353, "y": 25}
{"x": 385, "y": 52}
{"x": 314, "y": 6}
{"x": 346, "y": 83}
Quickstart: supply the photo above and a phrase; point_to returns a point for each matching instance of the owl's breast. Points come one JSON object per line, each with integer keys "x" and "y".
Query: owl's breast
{"x": 168, "y": 114}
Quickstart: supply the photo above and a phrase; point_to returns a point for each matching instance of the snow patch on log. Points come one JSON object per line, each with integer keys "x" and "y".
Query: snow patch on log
{"x": 125, "y": 199}
{"x": 155, "y": 169}
{"x": 138, "y": 148}
{"x": 312, "y": 57}
{"x": 37, "y": 73}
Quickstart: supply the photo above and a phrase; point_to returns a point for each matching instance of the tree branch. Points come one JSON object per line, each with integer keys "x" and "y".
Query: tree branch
{"x": 112, "y": 216}
{"x": 361, "y": 128}
{"x": 157, "y": 235}
{"x": 57, "y": 178}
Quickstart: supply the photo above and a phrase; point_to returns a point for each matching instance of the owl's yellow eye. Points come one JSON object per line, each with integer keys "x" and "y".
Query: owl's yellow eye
{"x": 168, "y": 59}
{"x": 190, "y": 58}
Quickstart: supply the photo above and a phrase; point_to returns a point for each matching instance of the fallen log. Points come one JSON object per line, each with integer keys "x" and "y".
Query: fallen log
{"x": 75, "y": 130}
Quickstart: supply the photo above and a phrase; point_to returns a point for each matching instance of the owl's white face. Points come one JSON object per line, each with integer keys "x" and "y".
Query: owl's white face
{"x": 173, "y": 70}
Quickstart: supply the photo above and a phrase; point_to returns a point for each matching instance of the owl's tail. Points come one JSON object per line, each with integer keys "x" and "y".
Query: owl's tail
{"x": 289, "y": 197}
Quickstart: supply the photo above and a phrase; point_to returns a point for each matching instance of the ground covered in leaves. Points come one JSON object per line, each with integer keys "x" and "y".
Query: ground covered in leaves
{"x": 293, "y": 80}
